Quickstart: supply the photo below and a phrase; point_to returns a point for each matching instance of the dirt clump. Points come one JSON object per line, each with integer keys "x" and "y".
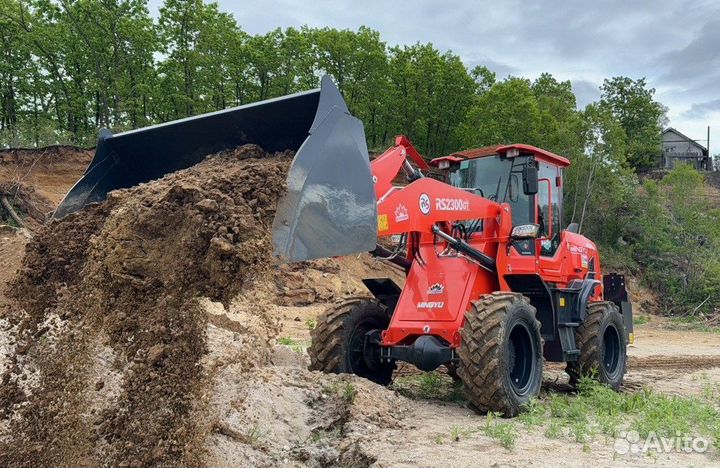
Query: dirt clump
{"x": 109, "y": 325}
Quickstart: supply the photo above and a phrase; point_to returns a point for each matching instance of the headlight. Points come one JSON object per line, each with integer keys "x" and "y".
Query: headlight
{"x": 525, "y": 231}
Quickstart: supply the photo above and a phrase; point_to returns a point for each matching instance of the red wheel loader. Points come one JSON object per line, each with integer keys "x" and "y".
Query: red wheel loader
{"x": 494, "y": 284}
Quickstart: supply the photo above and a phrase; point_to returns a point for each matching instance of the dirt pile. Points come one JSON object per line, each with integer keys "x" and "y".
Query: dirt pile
{"x": 109, "y": 329}
{"x": 138, "y": 331}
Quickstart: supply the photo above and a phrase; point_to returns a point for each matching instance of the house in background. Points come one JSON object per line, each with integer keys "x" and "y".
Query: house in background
{"x": 678, "y": 148}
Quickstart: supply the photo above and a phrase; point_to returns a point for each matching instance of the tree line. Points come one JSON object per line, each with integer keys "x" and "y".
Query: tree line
{"x": 70, "y": 67}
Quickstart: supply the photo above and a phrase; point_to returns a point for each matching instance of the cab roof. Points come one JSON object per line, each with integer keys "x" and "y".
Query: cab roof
{"x": 493, "y": 150}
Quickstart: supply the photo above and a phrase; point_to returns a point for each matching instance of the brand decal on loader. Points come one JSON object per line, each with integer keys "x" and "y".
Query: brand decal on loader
{"x": 578, "y": 249}
{"x": 383, "y": 222}
{"x": 452, "y": 204}
{"x": 436, "y": 288}
{"x": 401, "y": 213}
{"x": 424, "y": 203}
{"x": 430, "y": 305}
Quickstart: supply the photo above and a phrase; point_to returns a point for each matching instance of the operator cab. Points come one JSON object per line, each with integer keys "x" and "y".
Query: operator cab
{"x": 526, "y": 177}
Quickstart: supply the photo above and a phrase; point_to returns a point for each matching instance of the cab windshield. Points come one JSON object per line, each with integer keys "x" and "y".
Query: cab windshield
{"x": 497, "y": 179}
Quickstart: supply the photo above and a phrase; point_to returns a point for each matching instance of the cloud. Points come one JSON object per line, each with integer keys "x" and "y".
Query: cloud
{"x": 702, "y": 110}
{"x": 585, "y": 92}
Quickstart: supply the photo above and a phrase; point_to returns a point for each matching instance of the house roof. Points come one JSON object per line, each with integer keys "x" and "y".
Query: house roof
{"x": 682, "y": 135}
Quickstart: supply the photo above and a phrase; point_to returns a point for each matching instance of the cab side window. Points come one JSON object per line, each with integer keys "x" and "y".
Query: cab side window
{"x": 549, "y": 197}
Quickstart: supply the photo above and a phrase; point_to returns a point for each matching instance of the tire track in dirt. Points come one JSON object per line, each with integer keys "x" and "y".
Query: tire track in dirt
{"x": 688, "y": 363}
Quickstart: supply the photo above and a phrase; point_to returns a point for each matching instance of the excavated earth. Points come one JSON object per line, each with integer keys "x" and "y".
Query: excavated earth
{"x": 141, "y": 327}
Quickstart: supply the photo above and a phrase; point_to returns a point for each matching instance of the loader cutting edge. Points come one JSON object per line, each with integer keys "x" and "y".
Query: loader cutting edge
{"x": 330, "y": 206}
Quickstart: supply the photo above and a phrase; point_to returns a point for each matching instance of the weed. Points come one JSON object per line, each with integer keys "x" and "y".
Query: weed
{"x": 349, "y": 392}
{"x": 503, "y": 432}
{"x": 599, "y": 409}
{"x": 429, "y": 386}
{"x": 553, "y": 431}
{"x": 641, "y": 320}
{"x": 311, "y": 324}
{"x": 456, "y": 432}
{"x": 438, "y": 440}
{"x": 534, "y": 414}
{"x": 692, "y": 323}
{"x": 255, "y": 433}
{"x": 296, "y": 345}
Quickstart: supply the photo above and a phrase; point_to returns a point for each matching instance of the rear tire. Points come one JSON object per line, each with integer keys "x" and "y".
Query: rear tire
{"x": 339, "y": 337}
{"x": 501, "y": 361}
{"x": 602, "y": 341}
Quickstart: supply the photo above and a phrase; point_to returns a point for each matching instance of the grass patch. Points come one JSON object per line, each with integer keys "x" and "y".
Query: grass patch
{"x": 693, "y": 323}
{"x": 299, "y": 346}
{"x": 641, "y": 319}
{"x": 346, "y": 390}
{"x": 597, "y": 409}
{"x": 504, "y": 432}
{"x": 429, "y": 386}
{"x": 311, "y": 323}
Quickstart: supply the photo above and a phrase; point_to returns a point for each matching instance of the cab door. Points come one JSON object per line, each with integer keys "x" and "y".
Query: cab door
{"x": 548, "y": 216}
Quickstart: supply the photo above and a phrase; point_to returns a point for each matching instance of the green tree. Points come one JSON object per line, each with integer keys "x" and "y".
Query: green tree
{"x": 430, "y": 96}
{"x": 632, "y": 103}
{"x": 507, "y": 113}
{"x": 678, "y": 242}
{"x": 560, "y": 122}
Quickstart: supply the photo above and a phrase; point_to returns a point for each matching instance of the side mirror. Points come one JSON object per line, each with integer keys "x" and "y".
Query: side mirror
{"x": 530, "y": 178}
{"x": 525, "y": 231}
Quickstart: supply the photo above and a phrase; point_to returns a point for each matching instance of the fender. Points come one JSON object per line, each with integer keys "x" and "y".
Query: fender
{"x": 384, "y": 290}
{"x": 587, "y": 290}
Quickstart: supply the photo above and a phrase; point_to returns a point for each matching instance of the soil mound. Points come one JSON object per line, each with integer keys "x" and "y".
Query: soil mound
{"x": 109, "y": 326}
{"x": 140, "y": 332}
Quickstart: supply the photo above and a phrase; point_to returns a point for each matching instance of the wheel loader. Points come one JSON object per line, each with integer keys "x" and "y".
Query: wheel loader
{"x": 495, "y": 286}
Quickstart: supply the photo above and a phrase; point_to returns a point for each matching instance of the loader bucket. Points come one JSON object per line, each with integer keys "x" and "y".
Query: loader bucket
{"x": 330, "y": 207}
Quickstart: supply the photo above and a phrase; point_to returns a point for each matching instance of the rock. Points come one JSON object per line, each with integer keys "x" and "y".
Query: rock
{"x": 222, "y": 246}
{"x": 155, "y": 354}
{"x": 208, "y": 205}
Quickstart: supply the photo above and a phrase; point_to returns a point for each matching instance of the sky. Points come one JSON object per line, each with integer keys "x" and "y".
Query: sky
{"x": 675, "y": 44}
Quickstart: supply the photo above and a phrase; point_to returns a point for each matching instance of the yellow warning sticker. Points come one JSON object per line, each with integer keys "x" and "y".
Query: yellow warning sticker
{"x": 382, "y": 222}
{"x": 562, "y": 302}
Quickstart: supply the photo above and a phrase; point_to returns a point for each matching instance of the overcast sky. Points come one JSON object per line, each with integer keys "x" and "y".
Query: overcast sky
{"x": 674, "y": 44}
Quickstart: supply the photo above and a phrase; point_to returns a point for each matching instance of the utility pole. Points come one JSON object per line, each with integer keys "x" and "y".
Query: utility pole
{"x": 710, "y": 157}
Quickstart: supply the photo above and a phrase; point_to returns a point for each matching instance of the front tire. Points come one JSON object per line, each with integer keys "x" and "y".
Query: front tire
{"x": 602, "y": 341}
{"x": 501, "y": 361}
{"x": 338, "y": 340}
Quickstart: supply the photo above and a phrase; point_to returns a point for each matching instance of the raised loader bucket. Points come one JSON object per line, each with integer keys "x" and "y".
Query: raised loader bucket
{"x": 329, "y": 209}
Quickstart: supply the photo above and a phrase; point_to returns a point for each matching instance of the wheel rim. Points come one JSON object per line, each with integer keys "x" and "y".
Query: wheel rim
{"x": 356, "y": 353}
{"x": 611, "y": 351}
{"x": 521, "y": 359}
